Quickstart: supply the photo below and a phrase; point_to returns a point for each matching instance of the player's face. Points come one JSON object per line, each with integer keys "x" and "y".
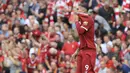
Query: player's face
{"x": 81, "y": 9}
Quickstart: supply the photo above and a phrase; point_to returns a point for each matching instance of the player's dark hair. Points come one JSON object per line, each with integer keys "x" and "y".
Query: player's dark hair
{"x": 82, "y": 5}
{"x": 34, "y": 54}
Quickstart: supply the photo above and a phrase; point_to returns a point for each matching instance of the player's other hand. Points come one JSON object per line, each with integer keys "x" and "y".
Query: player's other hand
{"x": 73, "y": 57}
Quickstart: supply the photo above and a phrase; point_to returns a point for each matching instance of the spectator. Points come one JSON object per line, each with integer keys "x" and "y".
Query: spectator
{"x": 120, "y": 35}
{"x": 103, "y": 68}
{"x": 24, "y": 6}
{"x": 3, "y": 19}
{"x": 126, "y": 5}
{"x": 41, "y": 68}
{"x": 60, "y": 23}
{"x": 41, "y": 12}
{"x": 34, "y": 49}
{"x": 18, "y": 25}
{"x": 31, "y": 21}
{"x": 106, "y": 42}
{"x": 32, "y": 63}
{"x": 110, "y": 70}
{"x": 33, "y": 8}
{"x": 9, "y": 10}
{"x": 127, "y": 58}
{"x": 109, "y": 62}
{"x": 70, "y": 46}
{"x": 1, "y": 60}
{"x": 51, "y": 34}
{"x": 58, "y": 31}
{"x": 117, "y": 8}
{"x": 20, "y": 16}
{"x": 59, "y": 42}
{"x": 127, "y": 25}
{"x": 60, "y": 5}
{"x": 107, "y": 12}
{"x": 99, "y": 49}
{"x": 35, "y": 71}
{"x": 117, "y": 26}
{"x": 100, "y": 21}
{"x": 53, "y": 68}
{"x": 14, "y": 64}
{"x": 4, "y": 30}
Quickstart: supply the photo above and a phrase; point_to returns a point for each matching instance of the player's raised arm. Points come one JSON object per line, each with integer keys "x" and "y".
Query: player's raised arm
{"x": 84, "y": 21}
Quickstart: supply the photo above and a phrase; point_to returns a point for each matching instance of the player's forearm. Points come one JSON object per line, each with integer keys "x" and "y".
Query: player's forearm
{"x": 77, "y": 51}
{"x": 79, "y": 29}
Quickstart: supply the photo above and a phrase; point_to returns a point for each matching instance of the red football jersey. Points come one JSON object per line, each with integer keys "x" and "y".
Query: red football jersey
{"x": 24, "y": 63}
{"x": 42, "y": 53}
{"x": 32, "y": 65}
{"x": 85, "y": 29}
{"x": 70, "y": 48}
{"x": 53, "y": 57}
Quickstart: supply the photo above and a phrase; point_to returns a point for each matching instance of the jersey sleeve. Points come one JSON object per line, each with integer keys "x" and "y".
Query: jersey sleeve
{"x": 84, "y": 27}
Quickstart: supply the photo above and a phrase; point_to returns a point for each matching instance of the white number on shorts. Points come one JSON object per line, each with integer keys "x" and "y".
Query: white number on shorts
{"x": 86, "y": 67}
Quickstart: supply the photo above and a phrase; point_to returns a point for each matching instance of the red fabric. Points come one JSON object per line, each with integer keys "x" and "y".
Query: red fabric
{"x": 86, "y": 61}
{"x": 67, "y": 15}
{"x": 128, "y": 51}
{"x": 51, "y": 37}
{"x": 96, "y": 70}
{"x": 121, "y": 55}
{"x": 124, "y": 23}
{"x": 24, "y": 63}
{"x": 36, "y": 33}
{"x": 20, "y": 36}
{"x": 112, "y": 50}
{"x": 99, "y": 5}
{"x": 1, "y": 60}
{"x": 23, "y": 16}
{"x": 86, "y": 37}
{"x": 110, "y": 64}
{"x": 70, "y": 48}
{"x": 122, "y": 37}
{"x": 53, "y": 57}
{"x": 72, "y": 17}
{"x": 31, "y": 65}
{"x": 67, "y": 70}
{"x": 70, "y": 3}
{"x": 41, "y": 57}
{"x": 3, "y": 7}
{"x": 62, "y": 65}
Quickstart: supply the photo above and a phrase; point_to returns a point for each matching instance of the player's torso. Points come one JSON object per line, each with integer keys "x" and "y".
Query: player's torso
{"x": 87, "y": 39}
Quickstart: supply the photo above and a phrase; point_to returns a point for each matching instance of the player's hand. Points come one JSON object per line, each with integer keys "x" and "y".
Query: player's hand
{"x": 73, "y": 57}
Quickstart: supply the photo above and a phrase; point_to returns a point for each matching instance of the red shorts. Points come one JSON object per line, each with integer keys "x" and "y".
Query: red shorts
{"x": 86, "y": 61}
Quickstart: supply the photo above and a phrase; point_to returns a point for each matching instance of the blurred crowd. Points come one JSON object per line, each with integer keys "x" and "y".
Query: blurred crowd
{"x": 39, "y": 36}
